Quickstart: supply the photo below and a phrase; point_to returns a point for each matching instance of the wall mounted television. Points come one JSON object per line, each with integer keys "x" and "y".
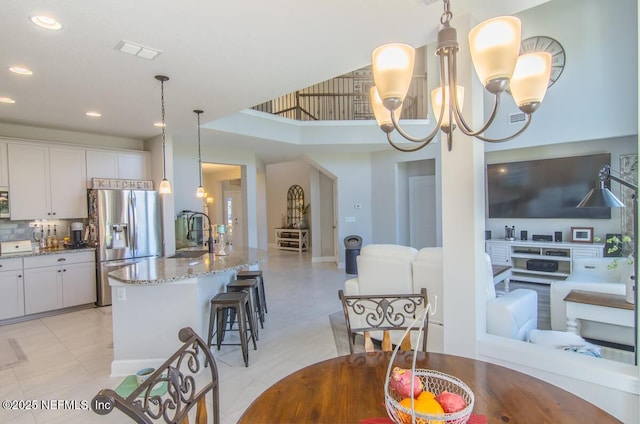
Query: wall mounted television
{"x": 545, "y": 188}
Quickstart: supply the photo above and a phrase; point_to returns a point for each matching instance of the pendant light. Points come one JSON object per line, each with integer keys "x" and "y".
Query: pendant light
{"x": 165, "y": 186}
{"x": 200, "y": 191}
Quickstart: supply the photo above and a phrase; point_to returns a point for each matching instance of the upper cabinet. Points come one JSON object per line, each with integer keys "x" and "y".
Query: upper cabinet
{"x": 46, "y": 182}
{"x": 4, "y": 166}
{"x": 120, "y": 165}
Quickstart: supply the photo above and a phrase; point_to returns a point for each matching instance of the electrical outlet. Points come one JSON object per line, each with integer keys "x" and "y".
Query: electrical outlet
{"x": 121, "y": 292}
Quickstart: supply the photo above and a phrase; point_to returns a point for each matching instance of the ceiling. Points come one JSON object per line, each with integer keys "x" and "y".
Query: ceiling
{"x": 221, "y": 57}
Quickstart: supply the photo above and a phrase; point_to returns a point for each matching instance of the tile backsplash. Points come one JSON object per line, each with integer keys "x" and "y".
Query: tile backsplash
{"x": 20, "y": 230}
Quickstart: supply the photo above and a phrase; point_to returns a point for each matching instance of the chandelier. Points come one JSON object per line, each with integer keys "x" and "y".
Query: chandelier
{"x": 494, "y": 46}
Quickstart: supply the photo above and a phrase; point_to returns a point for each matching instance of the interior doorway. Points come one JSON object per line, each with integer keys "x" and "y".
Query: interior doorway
{"x": 233, "y": 211}
{"x": 223, "y": 203}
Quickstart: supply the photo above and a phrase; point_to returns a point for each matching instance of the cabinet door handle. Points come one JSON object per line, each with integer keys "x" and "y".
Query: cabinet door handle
{"x": 59, "y": 270}
{"x": 19, "y": 275}
{"x": 64, "y": 270}
{"x": 62, "y": 259}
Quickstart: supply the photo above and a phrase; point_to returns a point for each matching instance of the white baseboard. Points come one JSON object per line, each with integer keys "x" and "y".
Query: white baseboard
{"x": 322, "y": 259}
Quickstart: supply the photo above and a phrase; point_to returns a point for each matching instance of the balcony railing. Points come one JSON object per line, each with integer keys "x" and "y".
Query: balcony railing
{"x": 343, "y": 98}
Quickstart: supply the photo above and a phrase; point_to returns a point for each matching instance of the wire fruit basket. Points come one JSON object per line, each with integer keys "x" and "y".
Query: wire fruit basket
{"x": 432, "y": 381}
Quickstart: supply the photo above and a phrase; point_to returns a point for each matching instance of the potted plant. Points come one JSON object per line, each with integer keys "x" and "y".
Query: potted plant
{"x": 304, "y": 209}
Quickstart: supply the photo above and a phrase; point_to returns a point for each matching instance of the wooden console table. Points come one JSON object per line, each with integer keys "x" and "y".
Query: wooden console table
{"x": 502, "y": 273}
{"x": 601, "y": 307}
{"x": 292, "y": 239}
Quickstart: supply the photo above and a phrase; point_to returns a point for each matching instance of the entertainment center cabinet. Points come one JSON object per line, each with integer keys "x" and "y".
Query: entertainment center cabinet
{"x": 556, "y": 257}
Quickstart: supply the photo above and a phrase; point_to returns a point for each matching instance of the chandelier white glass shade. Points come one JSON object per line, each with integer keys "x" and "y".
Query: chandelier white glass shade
{"x": 494, "y": 46}
{"x": 200, "y": 193}
{"x": 165, "y": 186}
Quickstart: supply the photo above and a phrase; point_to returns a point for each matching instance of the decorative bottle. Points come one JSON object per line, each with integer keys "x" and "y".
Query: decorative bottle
{"x": 43, "y": 240}
{"x": 49, "y": 239}
{"x": 54, "y": 241}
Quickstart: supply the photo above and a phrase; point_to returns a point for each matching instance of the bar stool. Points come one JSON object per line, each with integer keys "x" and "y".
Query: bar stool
{"x": 256, "y": 274}
{"x": 238, "y": 303}
{"x": 251, "y": 287}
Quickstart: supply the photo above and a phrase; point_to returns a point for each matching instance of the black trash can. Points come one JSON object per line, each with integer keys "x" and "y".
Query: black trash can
{"x": 352, "y": 244}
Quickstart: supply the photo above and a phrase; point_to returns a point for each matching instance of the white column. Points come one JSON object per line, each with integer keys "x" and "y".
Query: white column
{"x": 463, "y": 217}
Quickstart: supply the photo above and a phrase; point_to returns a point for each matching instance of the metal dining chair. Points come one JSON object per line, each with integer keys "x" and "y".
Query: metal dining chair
{"x": 382, "y": 319}
{"x": 170, "y": 392}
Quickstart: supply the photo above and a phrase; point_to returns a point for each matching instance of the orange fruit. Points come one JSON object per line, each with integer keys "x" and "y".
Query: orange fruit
{"x": 425, "y": 405}
{"x": 426, "y": 395}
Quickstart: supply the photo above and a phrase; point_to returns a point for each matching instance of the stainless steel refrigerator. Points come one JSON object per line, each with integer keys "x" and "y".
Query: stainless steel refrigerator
{"x": 126, "y": 228}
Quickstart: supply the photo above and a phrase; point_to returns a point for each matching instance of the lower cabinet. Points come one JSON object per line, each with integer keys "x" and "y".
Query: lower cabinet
{"x": 11, "y": 289}
{"x": 57, "y": 281}
{"x": 42, "y": 289}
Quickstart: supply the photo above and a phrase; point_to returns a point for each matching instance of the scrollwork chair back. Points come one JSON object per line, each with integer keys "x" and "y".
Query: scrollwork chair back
{"x": 178, "y": 373}
{"x": 384, "y": 313}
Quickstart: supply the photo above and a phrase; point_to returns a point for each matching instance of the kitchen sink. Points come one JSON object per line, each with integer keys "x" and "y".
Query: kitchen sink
{"x": 188, "y": 254}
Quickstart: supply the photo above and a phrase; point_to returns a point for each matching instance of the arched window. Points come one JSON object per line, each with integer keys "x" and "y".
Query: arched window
{"x": 295, "y": 201}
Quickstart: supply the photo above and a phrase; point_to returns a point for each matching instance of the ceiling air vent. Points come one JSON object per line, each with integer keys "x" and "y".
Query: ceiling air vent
{"x": 514, "y": 118}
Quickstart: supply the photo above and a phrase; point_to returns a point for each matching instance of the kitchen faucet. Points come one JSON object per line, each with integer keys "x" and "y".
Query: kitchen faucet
{"x": 194, "y": 213}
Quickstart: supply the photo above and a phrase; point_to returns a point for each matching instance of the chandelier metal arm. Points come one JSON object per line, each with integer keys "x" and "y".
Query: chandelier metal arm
{"x": 426, "y": 139}
{"x": 403, "y": 149}
{"x": 453, "y": 88}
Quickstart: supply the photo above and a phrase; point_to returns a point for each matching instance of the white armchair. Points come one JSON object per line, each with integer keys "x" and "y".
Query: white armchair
{"x": 382, "y": 269}
{"x": 394, "y": 269}
{"x": 513, "y": 314}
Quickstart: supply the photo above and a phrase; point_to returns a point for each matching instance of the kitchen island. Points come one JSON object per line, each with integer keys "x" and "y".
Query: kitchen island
{"x": 155, "y": 298}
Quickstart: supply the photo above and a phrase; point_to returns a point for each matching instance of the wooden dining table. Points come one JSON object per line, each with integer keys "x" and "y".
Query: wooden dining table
{"x": 350, "y": 388}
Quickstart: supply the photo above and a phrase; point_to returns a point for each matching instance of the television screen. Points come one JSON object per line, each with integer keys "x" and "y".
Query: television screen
{"x": 546, "y": 188}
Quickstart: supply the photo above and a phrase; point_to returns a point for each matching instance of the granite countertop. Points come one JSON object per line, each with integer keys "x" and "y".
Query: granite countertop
{"x": 167, "y": 270}
{"x": 46, "y": 252}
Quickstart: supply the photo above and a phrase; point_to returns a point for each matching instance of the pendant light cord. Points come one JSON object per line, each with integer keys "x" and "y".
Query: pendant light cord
{"x": 199, "y": 155}
{"x": 164, "y": 160}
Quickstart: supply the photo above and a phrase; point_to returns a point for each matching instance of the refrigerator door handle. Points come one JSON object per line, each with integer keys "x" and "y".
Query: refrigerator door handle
{"x": 132, "y": 223}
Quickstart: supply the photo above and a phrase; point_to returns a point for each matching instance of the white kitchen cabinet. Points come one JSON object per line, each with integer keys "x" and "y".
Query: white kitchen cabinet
{"x": 11, "y": 289}
{"x": 119, "y": 165}
{"x": 134, "y": 166}
{"x": 57, "y": 281}
{"x": 4, "y": 166}
{"x": 101, "y": 164}
{"x": 42, "y": 289}
{"x": 79, "y": 284}
{"x": 46, "y": 182}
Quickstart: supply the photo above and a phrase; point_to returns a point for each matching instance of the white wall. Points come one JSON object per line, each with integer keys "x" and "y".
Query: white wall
{"x": 353, "y": 175}
{"x": 596, "y": 95}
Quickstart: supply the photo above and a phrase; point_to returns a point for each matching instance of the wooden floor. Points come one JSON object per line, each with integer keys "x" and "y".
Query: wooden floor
{"x": 544, "y": 310}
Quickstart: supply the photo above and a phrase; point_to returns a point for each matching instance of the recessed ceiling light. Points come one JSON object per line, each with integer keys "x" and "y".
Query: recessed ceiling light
{"x": 94, "y": 114}
{"x": 46, "y": 22}
{"x": 20, "y": 70}
{"x": 159, "y": 124}
{"x": 7, "y": 100}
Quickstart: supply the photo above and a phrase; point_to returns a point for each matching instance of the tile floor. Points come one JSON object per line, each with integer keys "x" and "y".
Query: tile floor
{"x": 69, "y": 355}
